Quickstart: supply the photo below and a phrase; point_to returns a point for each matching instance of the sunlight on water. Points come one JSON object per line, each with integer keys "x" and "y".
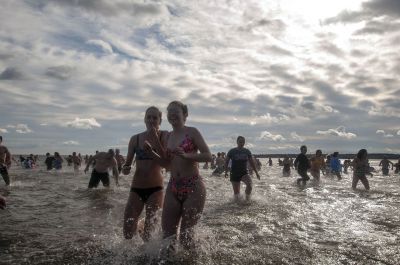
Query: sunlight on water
{"x": 52, "y": 218}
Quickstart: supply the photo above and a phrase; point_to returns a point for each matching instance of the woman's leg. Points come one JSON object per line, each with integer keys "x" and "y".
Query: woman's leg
{"x": 153, "y": 204}
{"x": 171, "y": 215}
{"x": 355, "y": 181}
{"x": 365, "y": 182}
{"x": 133, "y": 209}
{"x": 191, "y": 212}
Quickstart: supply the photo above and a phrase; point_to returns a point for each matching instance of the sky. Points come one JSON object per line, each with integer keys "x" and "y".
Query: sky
{"x": 78, "y": 75}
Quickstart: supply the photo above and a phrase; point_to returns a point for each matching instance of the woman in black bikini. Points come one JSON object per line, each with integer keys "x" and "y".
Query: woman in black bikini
{"x": 147, "y": 184}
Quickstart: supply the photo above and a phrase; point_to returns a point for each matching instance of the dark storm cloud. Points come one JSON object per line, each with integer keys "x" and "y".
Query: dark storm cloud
{"x": 378, "y": 27}
{"x": 391, "y": 102}
{"x": 11, "y": 73}
{"x": 358, "y": 53}
{"x": 5, "y": 56}
{"x": 59, "y": 72}
{"x": 274, "y": 27}
{"x": 331, "y": 95}
{"x": 275, "y": 50}
{"x": 282, "y": 72}
{"x": 366, "y": 104}
{"x": 308, "y": 105}
{"x": 383, "y": 7}
{"x": 108, "y": 8}
{"x": 328, "y": 47}
{"x": 369, "y": 91}
{"x": 370, "y": 9}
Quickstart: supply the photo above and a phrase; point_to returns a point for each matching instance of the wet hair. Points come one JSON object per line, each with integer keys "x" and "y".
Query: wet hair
{"x": 361, "y": 153}
{"x": 303, "y": 146}
{"x": 74, "y": 153}
{"x": 111, "y": 151}
{"x": 47, "y": 154}
{"x": 218, "y": 154}
{"x": 240, "y": 137}
{"x": 56, "y": 154}
{"x": 181, "y": 105}
{"x": 156, "y": 109}
{"x": 335, "y": 154}
{"x": 318, "y": 151}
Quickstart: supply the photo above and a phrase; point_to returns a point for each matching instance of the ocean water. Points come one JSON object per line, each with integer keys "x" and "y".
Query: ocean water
{"x": 52, "y": 218}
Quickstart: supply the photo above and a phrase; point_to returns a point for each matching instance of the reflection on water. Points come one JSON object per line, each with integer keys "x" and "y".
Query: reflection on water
{"x": 53, "y": 219}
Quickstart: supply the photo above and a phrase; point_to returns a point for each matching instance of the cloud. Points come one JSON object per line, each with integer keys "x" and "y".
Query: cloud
{"x": 70, "y": 142}
{"x": 278, "y": 118}
{"x": 116, "y": 8}
{"x": 20, "y": 128}
{"x": 62, "y": 72}
{"x": 11, "y": 73}
{"x": 265, "y": 135}
{"x": 370, "y": 9}
{"x": 384, "y": 134}
{"x": 398, "y": 132}
{"x": 296, "y": 137}
{"x": 86, "y": 124}
{"x": 338, "y": 132}
{"x": 105, "y": 47}
{"x": 3, "y": 130}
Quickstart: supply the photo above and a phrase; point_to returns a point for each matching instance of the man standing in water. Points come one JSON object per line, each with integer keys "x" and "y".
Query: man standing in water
{"x": 76, "y": 160}
{"x": 104, "y": 161}
{"x": 302, "y": 164}
{"x": 385, "y": 163}
{"x": 120, "y": 160}
{"x": 49, "y": 161}
{"x": 239, "y": 171}
{"x": 5, "y": 162}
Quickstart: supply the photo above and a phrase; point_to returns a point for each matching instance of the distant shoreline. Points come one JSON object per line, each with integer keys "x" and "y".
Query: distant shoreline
{"x": 342, "y": 156}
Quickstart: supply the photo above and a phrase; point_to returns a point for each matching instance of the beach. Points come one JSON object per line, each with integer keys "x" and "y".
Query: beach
{"x": 52, "y": 218}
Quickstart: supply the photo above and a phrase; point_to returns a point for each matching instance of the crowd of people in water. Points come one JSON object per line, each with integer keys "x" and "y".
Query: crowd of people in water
{"x": 154, "y": 151}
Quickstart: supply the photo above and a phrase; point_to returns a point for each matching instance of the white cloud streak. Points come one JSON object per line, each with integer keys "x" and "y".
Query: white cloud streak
{"x": 265, "y": 135}
{"x": 384, "y": 134}
{"x": 71, "y": 142}
{"x": 338, "y": 132}
{"x": 86, "y": 124}
{"x": 20, "y": 128}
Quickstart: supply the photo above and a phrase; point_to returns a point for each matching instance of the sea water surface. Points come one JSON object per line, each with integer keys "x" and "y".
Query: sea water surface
{"x": 52, "y": 218}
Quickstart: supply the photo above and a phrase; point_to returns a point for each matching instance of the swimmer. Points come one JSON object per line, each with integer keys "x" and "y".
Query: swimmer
{"x": 147, "y": 183}
{"x": 104, "y": 161}
{"x": 385, "y": 163}
{"x": 239, "y": 157}
{"x": 335, "y": 165}
{"x": 361, "y": 169}
{"x": 397, "y": 167}
{"x": 302, "y": 164}
{"x": 5, "y": 162}
{"x": 49, "y": 161}
{"x": 286, "y": 166}
{"x": 58, "y": 161}
{"x": 76, "y": 160}
{"x": 317, "y": 164}
{"x": 120, "y": 160}
{"x": 186, "y": 193}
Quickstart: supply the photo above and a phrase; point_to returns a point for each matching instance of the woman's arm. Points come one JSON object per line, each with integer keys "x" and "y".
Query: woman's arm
{"x": 126, "y": 168}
